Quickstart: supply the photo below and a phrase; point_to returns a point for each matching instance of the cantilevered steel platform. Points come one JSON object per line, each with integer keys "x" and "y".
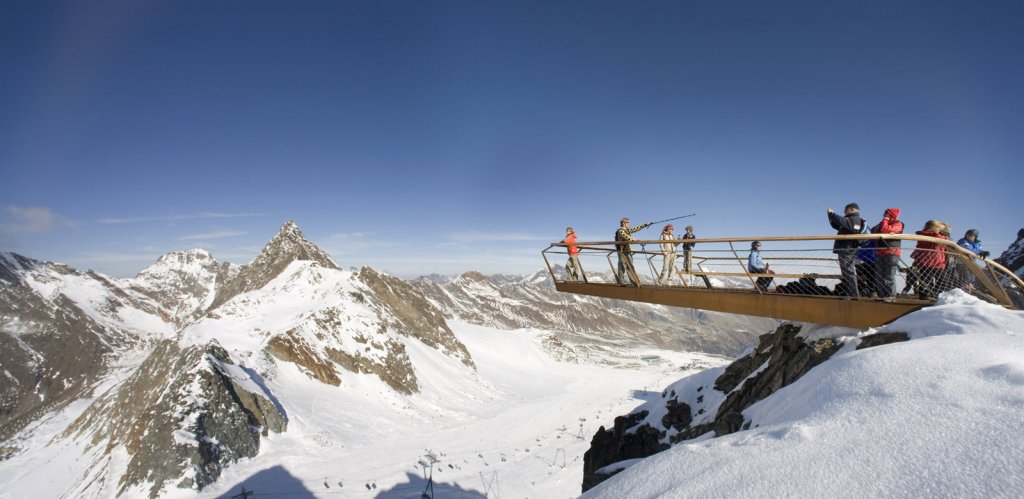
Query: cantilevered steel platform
{"x": 714, "y": 276}
{"x": 814, "y": 309}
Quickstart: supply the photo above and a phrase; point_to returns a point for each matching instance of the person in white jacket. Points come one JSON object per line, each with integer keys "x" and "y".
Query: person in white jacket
{"x": 669, "y": 250}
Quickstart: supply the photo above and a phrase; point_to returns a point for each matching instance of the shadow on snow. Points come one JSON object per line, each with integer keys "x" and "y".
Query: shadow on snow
{"x": 416, "y": 486}
{"x": 274, "y": 481}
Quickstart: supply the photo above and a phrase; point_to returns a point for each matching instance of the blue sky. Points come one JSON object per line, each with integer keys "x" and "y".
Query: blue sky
{"x": 421, "y": 137}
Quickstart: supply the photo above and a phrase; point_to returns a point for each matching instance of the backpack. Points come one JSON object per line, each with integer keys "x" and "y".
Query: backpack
{"x": 866, "y": 251}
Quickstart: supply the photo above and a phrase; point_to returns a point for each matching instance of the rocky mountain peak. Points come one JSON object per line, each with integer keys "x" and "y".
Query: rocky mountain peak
{"x": 180, "y": 261}
{"x": 473, "y": 276}
{"x": 287, "y": 246}
{"x": 1013, "y": 257}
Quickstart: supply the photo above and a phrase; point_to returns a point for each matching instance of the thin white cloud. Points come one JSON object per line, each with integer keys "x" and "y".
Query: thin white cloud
{"x": 221, "y": 234}
{"x": 173, "y": 218}
{"x": 31, "y": 219}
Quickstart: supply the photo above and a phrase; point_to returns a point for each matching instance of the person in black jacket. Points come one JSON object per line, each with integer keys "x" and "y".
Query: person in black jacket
{"x": 688, "y": 249}
{"x": 849, "y": 223}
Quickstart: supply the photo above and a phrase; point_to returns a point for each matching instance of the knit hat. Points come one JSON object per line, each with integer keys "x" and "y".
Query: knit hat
{"x": 669, "y": 227}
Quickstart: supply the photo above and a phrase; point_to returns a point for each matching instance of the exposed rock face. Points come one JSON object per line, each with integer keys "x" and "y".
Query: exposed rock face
{"x": 51, "y": 350}
{"x": 286, "y": 247}
{"x": 611, "y": 446}
{"x": 1013, "y": 257}
{"x": 780, "y": 359}
{"x": 879, "y": 339}
{"x": 582, "y": 325}
{"x": 182, "y": 418}
{"x": 718, "y": 396}
{"x": 410, "y": 313}
{"x": 184, "y": 283}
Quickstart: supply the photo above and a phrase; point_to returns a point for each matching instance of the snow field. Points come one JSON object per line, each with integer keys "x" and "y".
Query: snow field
{"x": 518, "y": 426}
{"x": 938, "y": 416}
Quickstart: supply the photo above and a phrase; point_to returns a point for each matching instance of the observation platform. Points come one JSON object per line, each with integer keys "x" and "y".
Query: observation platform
{"x": 805, "y": 283}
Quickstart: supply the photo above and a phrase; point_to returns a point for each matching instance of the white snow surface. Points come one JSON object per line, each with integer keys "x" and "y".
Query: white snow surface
{"x": 937, "y": 416}
{"x": 517, "y": 426}
{"x": 97, "y": 296}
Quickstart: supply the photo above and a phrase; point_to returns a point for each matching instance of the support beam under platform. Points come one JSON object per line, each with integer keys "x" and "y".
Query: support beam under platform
{"x": 831, "y": 310}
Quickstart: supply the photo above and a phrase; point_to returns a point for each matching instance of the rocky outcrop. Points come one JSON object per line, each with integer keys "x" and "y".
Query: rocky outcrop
{"x": 615, "y": 444}
{"x": 719, "y": 398}
{"x": 51, "y": 350}
{"x": 182, "y": 418}
{"x": 779, "y": 359}
{"x": 395, "y": 368}
{"x": 1013, "y": 257}
{"x": 287, "y": 246}
{"x": 290, "y": 347}
{"x": 879, "y": 339}
{"x": 404, "y": 309}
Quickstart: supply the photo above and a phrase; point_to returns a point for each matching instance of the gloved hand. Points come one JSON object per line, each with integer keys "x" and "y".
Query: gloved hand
{"x": 984, "y": 254}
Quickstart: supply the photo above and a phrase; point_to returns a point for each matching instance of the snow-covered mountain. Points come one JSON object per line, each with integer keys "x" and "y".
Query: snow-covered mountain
{"x": 194, "y": 366}
{"x": 926, "y": 406}
{"x": 587, "y": 327}
{"x": 287, "y": 246}
{"x": 1013, "y": 257}
{"x": 295, "y": 375}
{"x": 184, "y": 283}
{"x": 61, "y": 332}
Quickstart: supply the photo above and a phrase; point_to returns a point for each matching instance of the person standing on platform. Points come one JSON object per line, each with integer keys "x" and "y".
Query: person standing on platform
{"x": 849, "y": 223}
{"x": 573, "y": 270}
{"x": 623, "y": 237}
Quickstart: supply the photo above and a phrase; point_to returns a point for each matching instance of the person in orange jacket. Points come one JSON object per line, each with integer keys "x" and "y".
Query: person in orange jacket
{"x": 573, "y": 270}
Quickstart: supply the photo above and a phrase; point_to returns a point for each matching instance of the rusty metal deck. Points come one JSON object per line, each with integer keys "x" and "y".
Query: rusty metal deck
{"x": 814, "y": 309}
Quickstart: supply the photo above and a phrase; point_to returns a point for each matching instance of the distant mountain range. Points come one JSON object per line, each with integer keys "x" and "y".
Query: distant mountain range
{"x": 175, "y": 360}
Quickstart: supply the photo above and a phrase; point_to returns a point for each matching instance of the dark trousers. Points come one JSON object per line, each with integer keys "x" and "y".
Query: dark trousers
{"x": 848, "y": 268}
{"x": 887, "y": 265}
{"x": 763, "y": 283}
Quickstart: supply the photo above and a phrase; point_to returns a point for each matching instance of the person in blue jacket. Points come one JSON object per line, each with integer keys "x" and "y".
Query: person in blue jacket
{"x": 755, "y": 265}
{"x": 970, "y": 242}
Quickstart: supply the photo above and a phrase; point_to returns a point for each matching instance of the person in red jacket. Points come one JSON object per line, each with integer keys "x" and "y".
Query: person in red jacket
{"x": 573, "y": 270}
{"x": 887, "y": 252}
{"x": 929, "y": 261}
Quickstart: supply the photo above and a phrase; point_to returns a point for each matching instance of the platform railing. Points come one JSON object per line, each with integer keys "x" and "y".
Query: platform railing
{"x": 797, "y": 265}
